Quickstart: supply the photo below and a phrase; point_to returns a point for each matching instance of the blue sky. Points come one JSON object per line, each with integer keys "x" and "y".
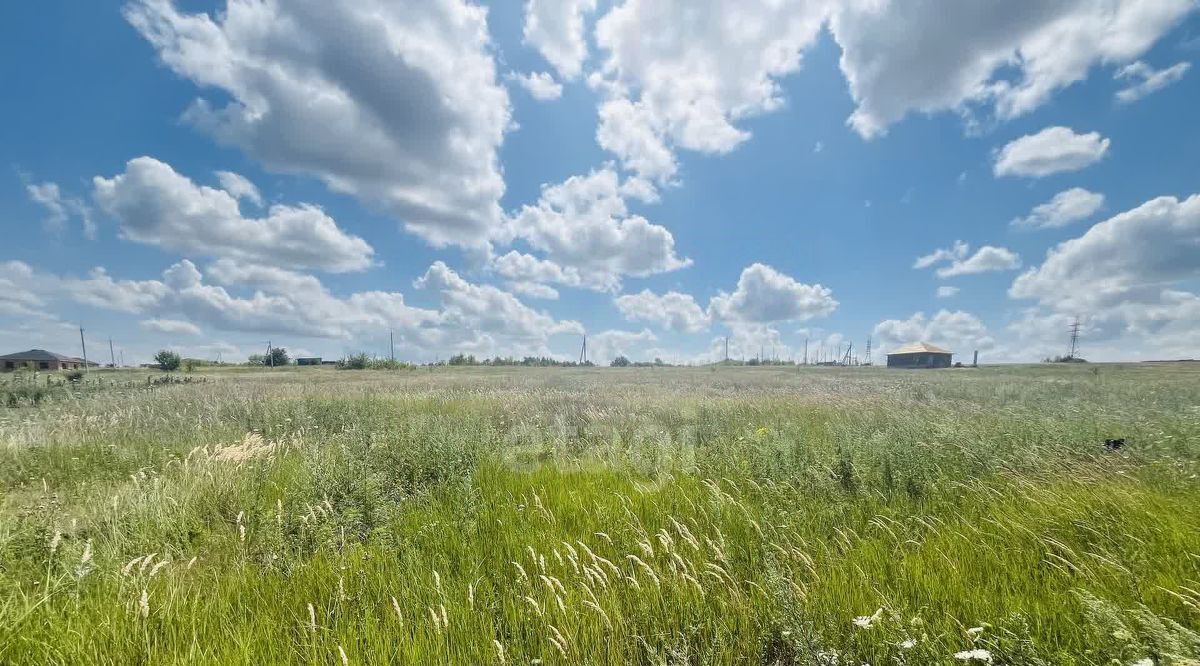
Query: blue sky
{"x": 773, "y": 172}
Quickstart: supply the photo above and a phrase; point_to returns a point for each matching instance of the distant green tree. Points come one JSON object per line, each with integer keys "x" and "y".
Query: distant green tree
{"x": 277, "y": 357}
{"x": 620, "y": 362}
{"x": 167, "y": 360}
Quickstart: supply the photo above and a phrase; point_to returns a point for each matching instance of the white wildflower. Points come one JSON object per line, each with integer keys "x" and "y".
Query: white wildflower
{"x": 974, "y": 655}
{"x": 909, "y": 643}
{"x": 144, "y": 603}
{"x": 865, "y": 621}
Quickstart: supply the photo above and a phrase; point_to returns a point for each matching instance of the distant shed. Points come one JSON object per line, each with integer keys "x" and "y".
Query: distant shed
{"x": 919, "y": 355}
{"x": 309, "y": 360}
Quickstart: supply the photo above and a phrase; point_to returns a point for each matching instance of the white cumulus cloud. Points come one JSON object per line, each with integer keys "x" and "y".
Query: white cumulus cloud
{"x": 673, "y": 311}
{"x": 582, "y": 225}
{"x": 1065, "y": 208}
{"x": 603, "y": 347}
{"x": 958, "y": 260}
{"x": 958, "y": 331}
{"x": 156, "y": 205}
{"x": 765, "y": 296}
{"x": 1006, "y": 57}
{"x": 1132, "y": 255}
{"x": 1050, "y": 151}
{"x": 395, "y": 102}
{"x": 489, "y": 309}
{"x": 682, "y": 73}
{"x": 556, "y": 29}
{"x": 540, "y": 85}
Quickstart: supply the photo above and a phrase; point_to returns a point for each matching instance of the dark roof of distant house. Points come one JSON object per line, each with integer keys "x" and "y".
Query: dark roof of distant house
{"x": 38, "y": 355}
{"x": 919, "y": 348}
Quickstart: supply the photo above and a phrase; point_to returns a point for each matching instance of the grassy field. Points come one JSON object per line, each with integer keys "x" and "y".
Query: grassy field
{"x": 604, "y": 516}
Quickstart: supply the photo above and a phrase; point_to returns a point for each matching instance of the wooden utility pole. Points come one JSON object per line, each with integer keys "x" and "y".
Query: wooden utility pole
{"x": 83, "y": 343}
{"x": 111, "y": 354}
{"x": 805, "y": 351}
{"x": 392, "y": 344}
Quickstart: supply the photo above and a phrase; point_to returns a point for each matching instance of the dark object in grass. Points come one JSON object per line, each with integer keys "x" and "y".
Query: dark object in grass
{"x": 1114, "y": 444}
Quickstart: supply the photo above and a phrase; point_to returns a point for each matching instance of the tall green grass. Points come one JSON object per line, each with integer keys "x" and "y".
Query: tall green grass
{"x": 507, "y": 515}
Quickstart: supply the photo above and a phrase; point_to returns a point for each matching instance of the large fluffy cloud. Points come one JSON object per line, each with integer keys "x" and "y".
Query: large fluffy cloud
{"x": 1126, "y": 279}
{"x": 764, "y": 296}
{"x": 489, "y": 309}
{"x": 396, "y": 103}
{"x": 682, "y": 73}
{"x": 100, "y": 290}
{"x": 244, "y": 298}
{"x": 1066, "y": 207}
{"x": 583, "y": 227}
{"x": 931, "y": 56}
{"x": 607, "y": 345}
{"x": 958, "y": 331}
{"x": 158, "y": 206}
{"x": 1050, "y": 151}
{"x": 673, "y": 311}
{"x": 1132, "y": 255}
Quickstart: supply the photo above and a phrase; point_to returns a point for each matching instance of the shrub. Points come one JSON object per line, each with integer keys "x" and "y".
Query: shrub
{"x": 167, "y": 360}
{"x": 620, "y": 362}
{"x": 354, "y": 362}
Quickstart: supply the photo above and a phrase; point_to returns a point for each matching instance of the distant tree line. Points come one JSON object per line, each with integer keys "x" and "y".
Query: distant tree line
{"x": 623, "y": 362}
{"x": 528, "y": 361}
{"x": 361, "y": 361}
